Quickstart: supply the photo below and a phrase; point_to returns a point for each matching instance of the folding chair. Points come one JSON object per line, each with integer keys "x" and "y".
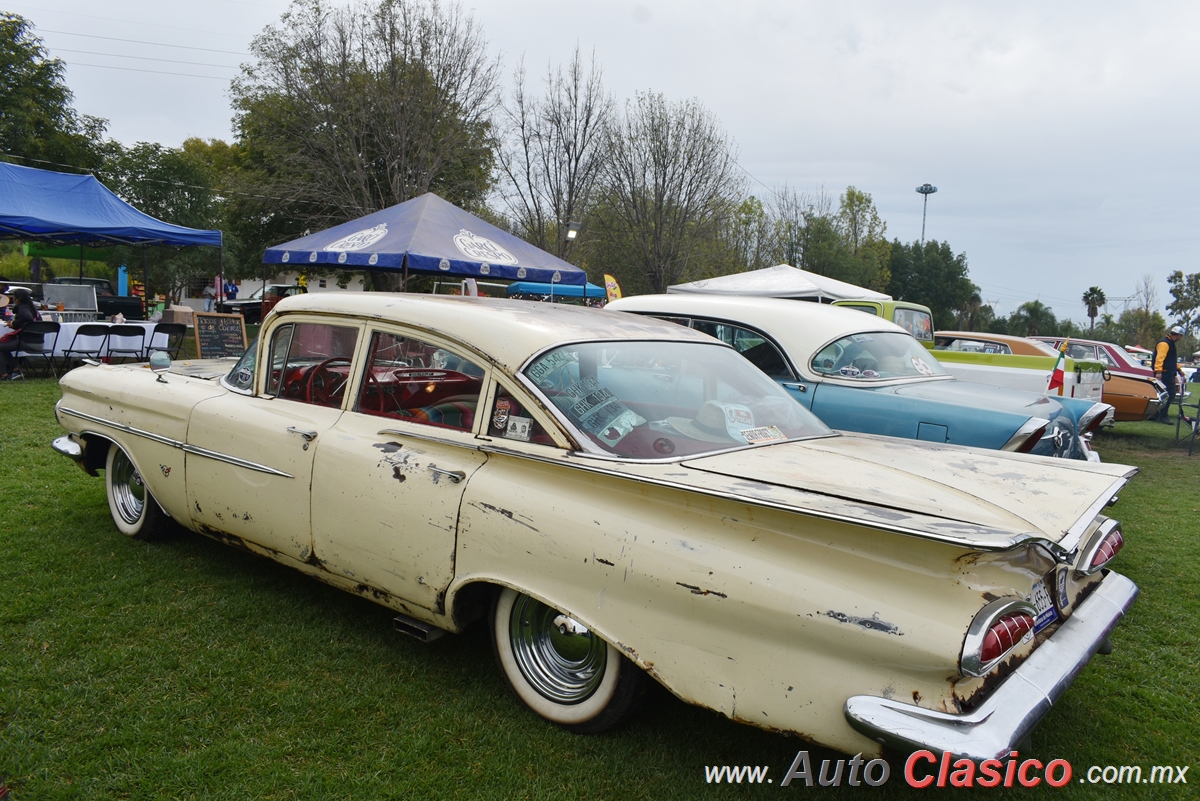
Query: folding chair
{"x": 1187, "y": 426}
{"x": 167, "y": 337}
{"x": 126, "y": 341}
{"x": 88, "y": 343}
{"x": 37, "y": 341}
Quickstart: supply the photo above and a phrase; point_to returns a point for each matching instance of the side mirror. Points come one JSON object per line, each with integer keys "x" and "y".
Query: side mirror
{"x": 160, "y": 363}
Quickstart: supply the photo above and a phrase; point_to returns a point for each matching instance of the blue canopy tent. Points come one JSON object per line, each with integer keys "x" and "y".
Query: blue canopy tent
{"x": 588, "y": 290}
{"x": 66, "y": 209}
{"x": 427, "y": 235}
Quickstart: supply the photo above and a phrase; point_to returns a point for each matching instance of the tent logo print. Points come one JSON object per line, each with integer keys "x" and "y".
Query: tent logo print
{"x": 478, "y": 248}
{"x": 359, "y": 240}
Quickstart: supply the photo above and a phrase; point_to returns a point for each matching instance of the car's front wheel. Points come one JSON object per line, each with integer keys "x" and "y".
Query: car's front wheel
{"x": 560, "y": 669}
{"x": 133, "y": 508}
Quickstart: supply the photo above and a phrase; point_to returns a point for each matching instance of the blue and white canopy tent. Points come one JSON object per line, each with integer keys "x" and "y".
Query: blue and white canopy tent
{"x": 430, "y": 236}
{"x": 66, "y": 209}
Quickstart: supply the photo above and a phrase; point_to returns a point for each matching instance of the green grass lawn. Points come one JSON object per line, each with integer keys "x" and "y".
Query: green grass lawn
{"x": 189, "y": 670}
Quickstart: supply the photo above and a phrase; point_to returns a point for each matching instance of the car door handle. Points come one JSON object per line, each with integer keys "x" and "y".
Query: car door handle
{"x": 797, "y": 387}
{"x": 309, "y": 436}
{"x": 454, "y": 475}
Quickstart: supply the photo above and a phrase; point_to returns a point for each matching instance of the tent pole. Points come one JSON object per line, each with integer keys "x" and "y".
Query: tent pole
{"x": 145, "y": 285}
{"x": 81, "y": 264}
{"x": 221, "y": 273}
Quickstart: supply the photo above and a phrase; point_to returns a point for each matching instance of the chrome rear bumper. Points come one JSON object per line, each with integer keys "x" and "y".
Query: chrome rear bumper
{"x": 1013, "y": 709}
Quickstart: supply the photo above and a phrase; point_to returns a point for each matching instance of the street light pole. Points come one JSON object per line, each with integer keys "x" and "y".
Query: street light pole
{"x": 926, "y": 190}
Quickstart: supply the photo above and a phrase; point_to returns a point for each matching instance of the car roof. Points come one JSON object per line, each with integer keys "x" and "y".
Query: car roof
{"x": 1022, "y": 346}
{"x": 798, "y": 325}
{"x": 508, "y": 331}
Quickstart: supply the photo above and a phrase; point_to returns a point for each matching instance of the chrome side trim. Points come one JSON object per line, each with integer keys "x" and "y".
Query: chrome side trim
{"x": 1074, "y": 535}
{"x": 1012, "y": 710}
{"x": 174, "y": 443}
{"x": 1004, "y": 540}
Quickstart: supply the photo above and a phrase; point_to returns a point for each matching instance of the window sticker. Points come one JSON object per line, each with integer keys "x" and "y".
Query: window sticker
{"x": 921, "y": 366}
{"x": 763, "y": 434}
{"x": 543, "y": 369}
{"x": 500, "y": 413}
{"x": 850, "y": 371}
{"x": 519, "y": 428}
{"x": 860, "y": 338}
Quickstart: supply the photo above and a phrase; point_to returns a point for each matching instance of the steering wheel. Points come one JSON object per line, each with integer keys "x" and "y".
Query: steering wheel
{"x": 328, "y": 390}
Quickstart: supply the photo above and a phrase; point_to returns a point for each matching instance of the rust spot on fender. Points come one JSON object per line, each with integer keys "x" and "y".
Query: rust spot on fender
{"x": 487, "y": 507}
{"x": 398, "y": 474}
{"x": 872, "y": 623}
{"x": 387, "y": 447}
{"x": 603, "y": 561}
{"x": 697, "y": 591}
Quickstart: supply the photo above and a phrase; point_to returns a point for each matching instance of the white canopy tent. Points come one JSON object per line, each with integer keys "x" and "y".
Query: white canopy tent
{"x": 781, "y": 281}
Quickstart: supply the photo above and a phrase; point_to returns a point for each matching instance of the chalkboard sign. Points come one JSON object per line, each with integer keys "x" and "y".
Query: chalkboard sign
{"x": 219, "y": 335}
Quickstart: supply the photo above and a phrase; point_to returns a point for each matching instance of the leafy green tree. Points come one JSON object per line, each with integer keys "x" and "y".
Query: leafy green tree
{"x": 930, "y": 273}
{"x": 38, "y": 126}
{"x": 1185, "y": 291}
{"x": 174, "y": 185}
{"x": 1093, "y": 299}
{"x": 1033, "y": 318}
{"x": 862, "y": 232}
{"x": 347, "y": 110}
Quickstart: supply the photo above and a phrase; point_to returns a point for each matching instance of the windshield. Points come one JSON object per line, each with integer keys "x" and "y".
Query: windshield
{"x": 875, "y": 356}
{"x": 661, "y": 399}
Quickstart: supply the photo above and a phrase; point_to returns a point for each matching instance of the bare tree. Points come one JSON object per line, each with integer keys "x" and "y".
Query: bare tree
{"x": 553, "y": 157}
{"x": 352, "y": 109}
{"x": 670, "y": 182}
{"x": 794, "y": 215}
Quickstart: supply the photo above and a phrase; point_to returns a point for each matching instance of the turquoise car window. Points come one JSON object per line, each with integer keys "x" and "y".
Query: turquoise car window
{"x": 754, "y": 345}
{"x": 659, "y": 399}
{"x": 875, "y": 356}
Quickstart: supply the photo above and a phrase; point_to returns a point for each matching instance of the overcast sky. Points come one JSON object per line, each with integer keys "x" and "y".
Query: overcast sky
{"x": 1062, "y": 136}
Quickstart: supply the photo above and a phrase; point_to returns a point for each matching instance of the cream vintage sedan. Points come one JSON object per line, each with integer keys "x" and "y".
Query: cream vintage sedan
{"x": 621, "y": 498}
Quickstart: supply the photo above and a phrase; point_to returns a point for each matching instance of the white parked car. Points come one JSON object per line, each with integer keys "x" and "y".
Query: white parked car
{"x": 623, "y": 500}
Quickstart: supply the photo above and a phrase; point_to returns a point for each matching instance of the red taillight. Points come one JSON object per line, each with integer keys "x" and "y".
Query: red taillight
{"x": 1109, "y": 548}
{"x": 1032, "y": 440}
{"x": 1105, "y": 543}
{"x": 1004, "y": 635}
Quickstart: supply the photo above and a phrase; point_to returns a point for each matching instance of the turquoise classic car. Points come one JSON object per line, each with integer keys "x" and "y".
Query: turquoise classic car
{"x": 863, "y": 373}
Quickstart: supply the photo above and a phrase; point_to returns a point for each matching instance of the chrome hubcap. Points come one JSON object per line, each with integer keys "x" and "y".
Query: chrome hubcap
{"x": 564, "y": 666}
{"x": 129, "y": 494}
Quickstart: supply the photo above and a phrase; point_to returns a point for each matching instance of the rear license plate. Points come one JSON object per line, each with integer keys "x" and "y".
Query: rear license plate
{"x": 1040, "y": 598}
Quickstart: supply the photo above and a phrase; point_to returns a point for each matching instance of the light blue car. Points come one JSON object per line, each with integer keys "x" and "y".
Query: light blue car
{"x": 862, "y": 373}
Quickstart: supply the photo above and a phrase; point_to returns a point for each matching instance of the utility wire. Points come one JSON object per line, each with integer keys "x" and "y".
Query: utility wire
{"x": 138, "y": 41}
{"x": 148, "y": 72}
{"x": 145, "y": 58}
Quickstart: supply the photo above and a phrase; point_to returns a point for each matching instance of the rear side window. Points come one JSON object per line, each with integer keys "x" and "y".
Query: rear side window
{"x": 915, "y": 322}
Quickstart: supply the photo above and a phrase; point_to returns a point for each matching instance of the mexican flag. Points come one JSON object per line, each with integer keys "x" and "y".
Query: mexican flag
{"x": 1058, "y": 377}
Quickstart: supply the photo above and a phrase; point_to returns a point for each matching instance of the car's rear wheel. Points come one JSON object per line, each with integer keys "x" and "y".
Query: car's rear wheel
{"x": 561, "y": 670}
{"x": 133, "y": 508}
